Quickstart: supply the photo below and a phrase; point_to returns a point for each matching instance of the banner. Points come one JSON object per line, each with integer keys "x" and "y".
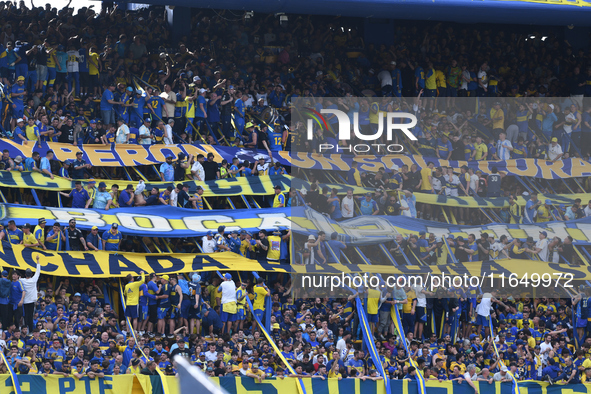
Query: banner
{"x": 54, "y": 384}
{"x": 101, "y": 264}
{"x": 126, "y": 384}
{"x": 116, "y": 155}
{"x": 263, "y": 185}
{"x": 172, "y": 222}
{"x": 158, "y": 220}
{"x": 248, "y": 186}
{"x": 369, "y": 230}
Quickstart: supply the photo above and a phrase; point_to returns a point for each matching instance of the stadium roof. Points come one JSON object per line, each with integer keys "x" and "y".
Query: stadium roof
{"x": 529, "y": 12}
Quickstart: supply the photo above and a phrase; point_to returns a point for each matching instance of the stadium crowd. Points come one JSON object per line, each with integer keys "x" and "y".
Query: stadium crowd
{"x": 117, "y": 77}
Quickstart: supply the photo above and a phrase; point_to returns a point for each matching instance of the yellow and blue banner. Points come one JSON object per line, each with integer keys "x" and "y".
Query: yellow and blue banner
{"x": 172, "y": 222}
{"x": 264, "y": 185}
{"x": 102, "y": 264}
{"x": 143, "y": 384}
{"x": 126, "y": 155}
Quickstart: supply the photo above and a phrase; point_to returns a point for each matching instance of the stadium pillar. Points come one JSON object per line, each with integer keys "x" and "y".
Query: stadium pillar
{"x": 379, "y": 31}
{"x": 179, "y": 20}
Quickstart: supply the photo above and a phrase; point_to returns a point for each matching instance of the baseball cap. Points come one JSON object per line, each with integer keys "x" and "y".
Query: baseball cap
{"x": 196, "y": 278}
{"x": 277, "y": 187}
{"x": 138, "y": 91}
{"x": 93, "y": 121}
{"x": 202, "y": 90}
{"x": 395, "y": 167}
{"x": 422, "y": 233}
{"x": 554, "y": 139}
{"x": 450, "y": 236}
{"x": 545, "y": 234}
{"x": 21, "y": 78}
{"x": 41, "y": 221}
{"x": 368, "y": 194}
{"x": 249, "y": 124}
{"x": 4, "y": 273}
{"x": 94, "y": 228}
{"x": 210, "y": 233}
{"x": 20, "y": 120}
{"x": 114, "y": 225}
{"x": 147, "y": 120}
{"x": 165, "y": 277}
{"x": 77, "y": 295}
{"x": 18, "y": 159}
{"x": 548, "y": 202}
{"x": 91, "y": 181}
{"x": 228, "y": 276}
{"x": 102, "y": 184}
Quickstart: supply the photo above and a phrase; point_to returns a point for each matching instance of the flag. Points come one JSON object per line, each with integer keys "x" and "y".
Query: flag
{"x": 193, "y": 380}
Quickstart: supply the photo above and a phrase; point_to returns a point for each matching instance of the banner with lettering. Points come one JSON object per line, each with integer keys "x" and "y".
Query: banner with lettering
{"x": 126, "y": 384}
{"x": 264, "y": 185}
{"x": 156, "y": 220}
{"x": 116, "y": 155}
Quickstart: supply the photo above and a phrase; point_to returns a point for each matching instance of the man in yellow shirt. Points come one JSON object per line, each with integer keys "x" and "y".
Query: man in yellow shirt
{"x": 261, "y": 291}
{"x": 480, "y": 148}
{"x": 373, "y": 303}
{"x": 426, "y": 176}
{"x": 255, "y": 373}
{"x": 132, "y": 295}
{"x": 544, "y": 213}
{"x": 408, "y": 311}
{"x": 514, "y": 211}
{"x": 94, "y": 67}
{"x": 29, "y": 240}
{"x": 498, "y": 119}
{"x": 427, "y": 187}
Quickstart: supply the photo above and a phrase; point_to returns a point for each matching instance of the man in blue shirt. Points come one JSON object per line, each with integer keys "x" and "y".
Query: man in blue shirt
{"x": 17, "y": 298}
{"x": 211, "y": 320}
{"x": 239, "y": 107}
{"x": 112, "y": 238}
{"x": 14, "y": 234}
{"x": 107, "y": 102}
{"x": 78, "y": 195}
{"x": 167, "y": 170}
{"x": 126, "y": 199}
{"x": 336, "y": 247}
{"x": 17, "y": 93}
{"x": 79, "y": 166}
{"x": 18, "y": 135}
{"x": 368, "y": 206}
{"x": 45, "y": 165}
{"x": 31, "y": 162}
